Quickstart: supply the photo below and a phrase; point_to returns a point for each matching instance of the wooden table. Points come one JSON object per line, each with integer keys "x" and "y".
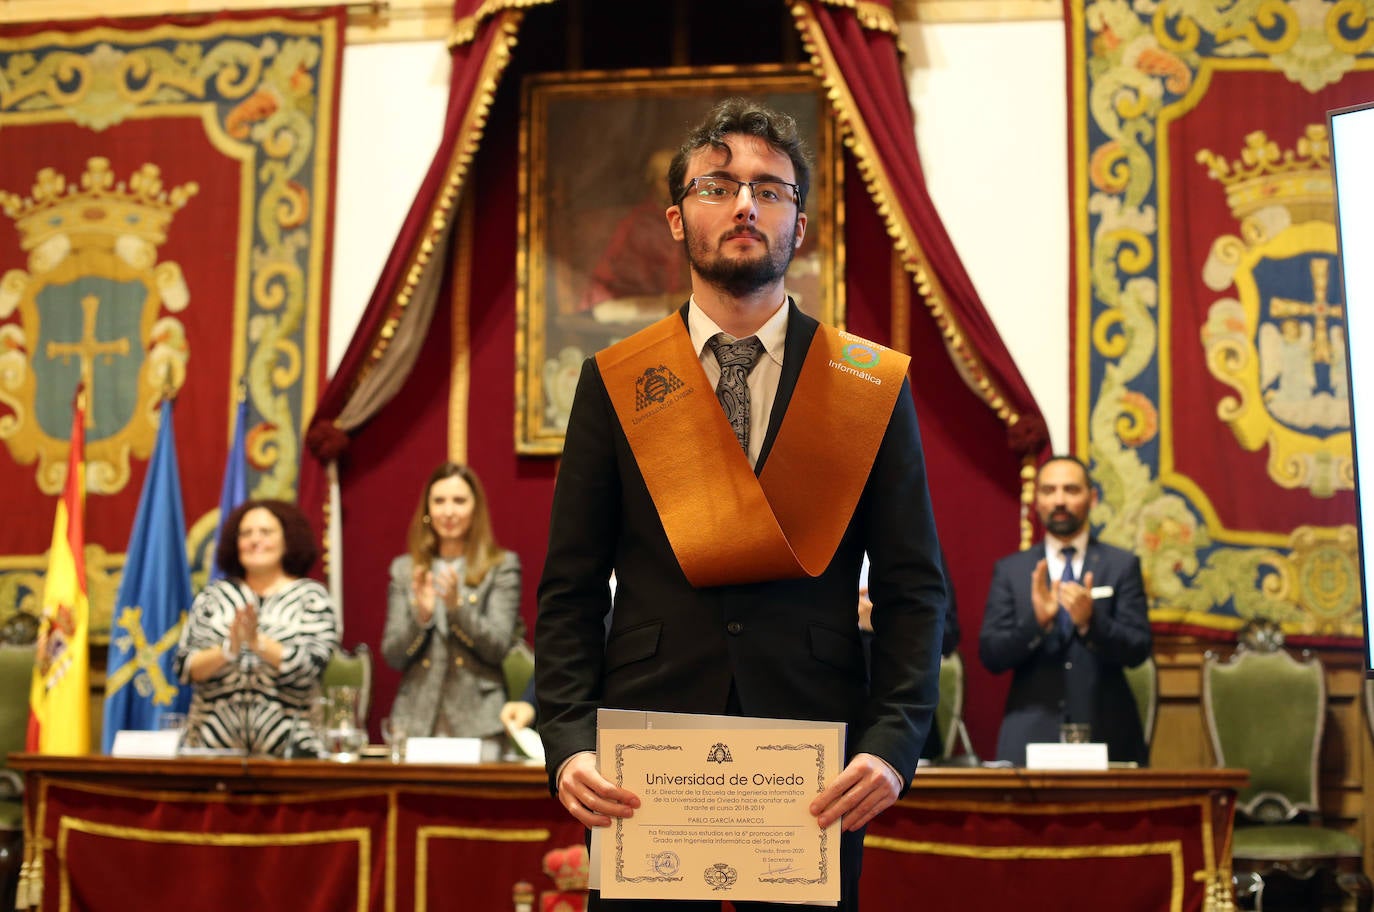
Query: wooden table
{"x": 217, "y": 833}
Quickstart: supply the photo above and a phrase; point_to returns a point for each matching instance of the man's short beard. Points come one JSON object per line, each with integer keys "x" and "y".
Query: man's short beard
{"x": 1066, "y": 527}
{"x": 740, "y": 278}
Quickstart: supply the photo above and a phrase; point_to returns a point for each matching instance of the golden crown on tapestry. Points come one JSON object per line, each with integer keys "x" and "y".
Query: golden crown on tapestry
{"x": 1298, "y": 179}
{"x": 101, "y": 213}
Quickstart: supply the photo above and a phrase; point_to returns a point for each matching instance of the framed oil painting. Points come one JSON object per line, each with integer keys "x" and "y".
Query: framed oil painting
{"x": 596, "y": 261}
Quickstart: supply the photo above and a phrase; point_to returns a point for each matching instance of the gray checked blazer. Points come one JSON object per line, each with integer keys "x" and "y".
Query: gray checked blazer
{"x": 455, "y": 677}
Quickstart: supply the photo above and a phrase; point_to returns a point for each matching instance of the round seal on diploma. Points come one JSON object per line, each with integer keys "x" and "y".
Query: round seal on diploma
{"x": 721, "y": 876}
{"x": 666, "y": 863}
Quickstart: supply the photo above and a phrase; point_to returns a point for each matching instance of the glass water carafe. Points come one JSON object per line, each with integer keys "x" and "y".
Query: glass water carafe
{"x": 344, "y": 734}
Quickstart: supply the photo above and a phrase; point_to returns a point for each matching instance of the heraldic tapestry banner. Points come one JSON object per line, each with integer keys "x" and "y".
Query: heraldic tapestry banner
{"x": 1209, "y": 387}
{"x": 167, "y": 188}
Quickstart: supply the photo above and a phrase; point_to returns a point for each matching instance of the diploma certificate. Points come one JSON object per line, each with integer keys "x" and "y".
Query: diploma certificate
{"x": 723, "y": 814}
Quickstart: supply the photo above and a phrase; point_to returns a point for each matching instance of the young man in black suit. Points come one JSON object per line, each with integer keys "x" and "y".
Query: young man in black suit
{"x": 1065, "y": 617}
{"x": 736, "y": 523}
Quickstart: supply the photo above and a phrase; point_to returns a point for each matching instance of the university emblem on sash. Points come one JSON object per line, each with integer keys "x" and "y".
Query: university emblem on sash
{"x": 95, "y": 306}
{"x": 654, "y": 385}
{"x": 1279, "y": 342}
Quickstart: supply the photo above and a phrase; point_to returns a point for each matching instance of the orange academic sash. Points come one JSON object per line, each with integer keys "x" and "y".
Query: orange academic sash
{"x": 725, "y": 524}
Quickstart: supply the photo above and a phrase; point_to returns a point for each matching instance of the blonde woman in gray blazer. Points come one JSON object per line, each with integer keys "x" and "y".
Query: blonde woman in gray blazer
{"x": 453, "y": 612}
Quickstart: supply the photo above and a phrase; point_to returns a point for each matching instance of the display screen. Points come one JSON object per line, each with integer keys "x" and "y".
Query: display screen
{"x": 1352, "y": 161}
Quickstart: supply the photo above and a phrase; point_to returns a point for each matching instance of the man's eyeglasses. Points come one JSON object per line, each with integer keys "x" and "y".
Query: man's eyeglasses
{"x": 724, "y": 190}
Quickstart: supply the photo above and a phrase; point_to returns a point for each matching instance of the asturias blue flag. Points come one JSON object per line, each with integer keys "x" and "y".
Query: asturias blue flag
{"x": 154, "y": 596}
{"x": 234, "y": 490}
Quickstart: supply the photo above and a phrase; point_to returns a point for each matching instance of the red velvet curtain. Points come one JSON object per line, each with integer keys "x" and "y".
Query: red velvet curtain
{"x": 866, "y": 60}
{"x": 871, "y": 100}
{"x": 476, "y": 67}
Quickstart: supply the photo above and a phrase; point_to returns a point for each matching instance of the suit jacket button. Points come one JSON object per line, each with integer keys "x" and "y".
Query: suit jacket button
{"x": 1068, "y": 666}
{"x": 458, "y": 662}
{"x": 472, "y": 598}
{"x": 424, "y": 663}
{"x": 735, "y": 627}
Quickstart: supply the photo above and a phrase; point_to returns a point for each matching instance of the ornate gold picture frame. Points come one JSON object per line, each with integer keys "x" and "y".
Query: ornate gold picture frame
{"x": 596, "y": 261}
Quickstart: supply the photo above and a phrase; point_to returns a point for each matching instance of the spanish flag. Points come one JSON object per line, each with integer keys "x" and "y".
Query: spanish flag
{"x": 60, "y": 696}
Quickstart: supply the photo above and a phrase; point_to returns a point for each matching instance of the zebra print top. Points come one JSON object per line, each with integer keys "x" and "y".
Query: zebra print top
{"x": 248, "y": 704}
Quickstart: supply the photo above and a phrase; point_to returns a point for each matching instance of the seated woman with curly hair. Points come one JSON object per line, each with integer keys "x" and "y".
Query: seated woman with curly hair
{"x": 256, "y": 642}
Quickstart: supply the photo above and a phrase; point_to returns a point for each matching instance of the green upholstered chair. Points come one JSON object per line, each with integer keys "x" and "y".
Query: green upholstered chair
{"x": 949, "y": 712}
{"x": 1144, "y": 683}
{"x": 1265, "y": 713}
{"x": 353, "y": 669}
{"x": 518, "y": 668}
{"x": 16, "y": 674}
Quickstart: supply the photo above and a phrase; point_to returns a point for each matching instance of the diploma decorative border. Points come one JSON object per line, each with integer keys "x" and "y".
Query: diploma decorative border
{"x": 823, "y": 867}
{"x": 620, "y": 824}
{"x": 824, "y": 871}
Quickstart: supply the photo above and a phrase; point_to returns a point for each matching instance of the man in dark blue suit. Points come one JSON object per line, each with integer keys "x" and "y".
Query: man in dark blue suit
{"x": 1066, "y": 617}
{"x": 678, "y": 492}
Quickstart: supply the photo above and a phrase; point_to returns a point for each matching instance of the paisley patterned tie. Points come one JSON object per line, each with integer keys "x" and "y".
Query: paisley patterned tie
{"x": 736, "y": 361}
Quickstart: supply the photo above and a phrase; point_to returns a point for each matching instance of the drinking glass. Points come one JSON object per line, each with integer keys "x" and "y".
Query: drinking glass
{"x": 344, "y": 737}
{"x": 394, "y": 734}
{"x": 1075, "y": 733}
{"x": 173, "y": 721}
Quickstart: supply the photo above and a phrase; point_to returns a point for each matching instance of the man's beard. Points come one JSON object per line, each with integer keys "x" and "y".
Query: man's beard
{"x": 739, "y": 277}
{"x": 1065, "y": 525}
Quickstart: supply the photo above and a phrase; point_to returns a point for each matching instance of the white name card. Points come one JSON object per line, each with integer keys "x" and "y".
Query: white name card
{"x": 443, "y": 750}
{"x": 155, "y": 744}
{"x": 1066, "y": 756}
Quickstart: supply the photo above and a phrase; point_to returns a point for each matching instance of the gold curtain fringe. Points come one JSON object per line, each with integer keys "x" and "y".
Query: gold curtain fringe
{"x": 464, "y": 31}
{"x": 913, "y": 259}
{"x": 1028, "y": 470}
{"x": 470, "y": 134}
{"x": 460, "y": 373}
{"x": 876, "y": 17}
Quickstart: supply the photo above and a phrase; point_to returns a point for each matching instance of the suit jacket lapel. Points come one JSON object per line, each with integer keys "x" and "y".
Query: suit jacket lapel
{"x": 800, "y": 330}
{"x": 1092, "y": 562}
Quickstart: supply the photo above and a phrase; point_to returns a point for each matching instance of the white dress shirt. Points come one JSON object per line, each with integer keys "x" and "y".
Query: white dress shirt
{"x": 1054, "y": 555}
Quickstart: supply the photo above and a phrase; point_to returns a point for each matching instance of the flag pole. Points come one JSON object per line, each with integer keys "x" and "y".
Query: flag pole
{"x": 169, "y": 387}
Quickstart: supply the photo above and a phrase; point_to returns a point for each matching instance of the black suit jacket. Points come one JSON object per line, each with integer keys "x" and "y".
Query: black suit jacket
{"x": 791, "y": 648}
{"x": 1078, "y": 680}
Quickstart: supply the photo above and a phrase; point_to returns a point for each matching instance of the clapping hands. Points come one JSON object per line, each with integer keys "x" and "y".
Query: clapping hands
{"x": 1047, "y": 597}
{"x": 429, "y": 589}
{"x": 243, "y": 632}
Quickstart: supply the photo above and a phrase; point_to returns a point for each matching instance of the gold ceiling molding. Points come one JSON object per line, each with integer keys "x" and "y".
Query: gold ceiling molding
{"x": 976, "y": 10}
{"x": 369, "y": 21}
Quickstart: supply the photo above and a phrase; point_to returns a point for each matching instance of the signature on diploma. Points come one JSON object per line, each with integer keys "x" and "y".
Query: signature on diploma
{"x": 779, "y": 866}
